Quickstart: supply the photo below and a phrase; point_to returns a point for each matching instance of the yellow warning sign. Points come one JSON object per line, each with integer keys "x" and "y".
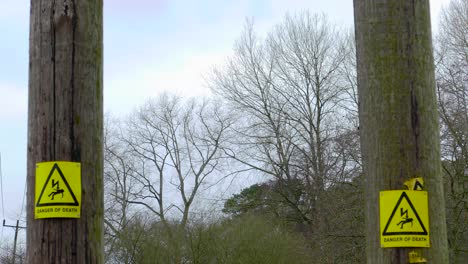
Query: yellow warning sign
{"x": 404, "y": 219}
{"x": 58, "y": 190}
{"x": 415, "y": 184}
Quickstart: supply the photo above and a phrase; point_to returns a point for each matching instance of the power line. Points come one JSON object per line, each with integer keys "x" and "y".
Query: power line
{"x": 22, "y": 203}
{"x": 17, "y": 227}
{"x": 1, "y": 191}
{"x": 1, "y": 187}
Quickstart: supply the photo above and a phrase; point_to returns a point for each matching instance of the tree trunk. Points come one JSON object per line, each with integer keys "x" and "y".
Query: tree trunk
{"x": 398, "y": 116}
{"x": 65, "y": 124}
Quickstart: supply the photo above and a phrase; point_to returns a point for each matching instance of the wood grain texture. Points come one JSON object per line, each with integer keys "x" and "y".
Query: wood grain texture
{"x": 398, "y": 115}
{"x": 65, "y": 123}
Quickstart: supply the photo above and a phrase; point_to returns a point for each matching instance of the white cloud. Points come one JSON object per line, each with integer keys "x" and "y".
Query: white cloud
{"x": 436, "y": 7}
{"x": 14, "y": 10}
{"x": 184, "y": 77}
{"x": 13, "y": 102}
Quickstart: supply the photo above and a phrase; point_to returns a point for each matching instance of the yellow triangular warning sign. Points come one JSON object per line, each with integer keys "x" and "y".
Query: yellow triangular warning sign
{"x": 404, "y": 219}
{"x": 418, "y": 186}
{"x": 56, "y": 190}
{"x": 415, "y": 184}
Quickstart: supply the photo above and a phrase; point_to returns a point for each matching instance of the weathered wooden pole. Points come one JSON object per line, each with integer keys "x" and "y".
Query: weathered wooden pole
{"x": 15, "y": 241}
{"x": 398, "y": 117}
{"x": 65, "y": 123}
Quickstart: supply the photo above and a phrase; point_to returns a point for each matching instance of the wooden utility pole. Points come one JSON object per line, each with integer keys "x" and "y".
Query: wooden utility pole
{"x": 65, "y": 123}
{"x": 398, "y": 116}
{"x": 16, "y": 227}
{"x": 16, "y": 240}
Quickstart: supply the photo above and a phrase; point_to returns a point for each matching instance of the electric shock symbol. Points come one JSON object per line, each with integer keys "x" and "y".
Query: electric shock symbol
{"x": 399, "y": 225}
{"x": 57, "y": 189}
{"x": 56, "y": 185}
{"x": 406, "y": 219}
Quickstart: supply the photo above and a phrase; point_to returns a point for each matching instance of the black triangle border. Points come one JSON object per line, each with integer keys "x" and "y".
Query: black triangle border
{"x": 415, "y": 188}
{"x": 385, "y": 233}
{"x": 56, "y": 167}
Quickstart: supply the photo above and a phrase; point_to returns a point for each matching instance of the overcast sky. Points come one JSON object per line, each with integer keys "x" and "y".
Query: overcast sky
{"x": 150, "y": 46}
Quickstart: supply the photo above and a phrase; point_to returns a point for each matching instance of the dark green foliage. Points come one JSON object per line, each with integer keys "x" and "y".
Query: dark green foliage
{"x": 456, "y": 197}
{"x": 342, "y": 239}
{"x": 252, "y": 199}
{"x": 337, "y": 237}
{"x": 243, "y": 240}
{"x": 279, "y": 198}
{"x": 253, "y": 239}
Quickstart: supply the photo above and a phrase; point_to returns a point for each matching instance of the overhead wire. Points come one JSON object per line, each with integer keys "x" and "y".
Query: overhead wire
{"x": 22, "y": 203}
{"x": 1, "y": 187}
{"x": 1, "y": 191}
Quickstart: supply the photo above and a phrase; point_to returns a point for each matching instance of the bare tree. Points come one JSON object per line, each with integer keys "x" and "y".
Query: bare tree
{"x": 294, "y": 99}
{"x": 452, "y": 75}
{"x": 156, "y": 162}
{"x": 7, "y": 251}
{"x": 119, "y": 185}
{"x": 263, "y": 142}
{"x": 452, "y": 83}
{"x": 176, "y": 147}
{"x": 309, "y": 53}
